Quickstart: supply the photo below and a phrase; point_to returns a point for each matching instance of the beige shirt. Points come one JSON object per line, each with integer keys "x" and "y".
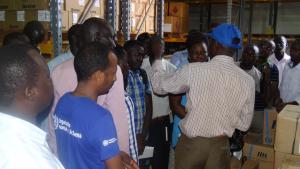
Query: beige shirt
{"x": 220, "y": 95}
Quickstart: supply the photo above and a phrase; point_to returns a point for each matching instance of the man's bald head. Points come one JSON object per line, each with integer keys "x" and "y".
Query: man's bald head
{"x": 97, "y": 30}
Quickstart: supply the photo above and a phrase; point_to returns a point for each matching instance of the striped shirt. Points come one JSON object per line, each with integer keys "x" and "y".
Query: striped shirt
{"x": 220, "y": 96}
{"x": 133, "y": 149}
{"x": 137, "y": 88}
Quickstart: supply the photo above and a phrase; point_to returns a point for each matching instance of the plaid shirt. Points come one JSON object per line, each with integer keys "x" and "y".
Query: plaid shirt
{"x": 133, "y": 149}
{"x": 137, "y": 88}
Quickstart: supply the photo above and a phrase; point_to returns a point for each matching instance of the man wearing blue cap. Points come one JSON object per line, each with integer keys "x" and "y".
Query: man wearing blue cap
{"x": 220, "y": 99}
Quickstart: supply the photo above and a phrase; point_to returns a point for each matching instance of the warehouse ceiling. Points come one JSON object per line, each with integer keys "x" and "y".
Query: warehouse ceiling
{"x": 234, "y": 1}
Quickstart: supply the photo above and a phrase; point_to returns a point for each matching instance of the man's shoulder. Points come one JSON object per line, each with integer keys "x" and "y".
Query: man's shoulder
{"x": 66, "y": 65}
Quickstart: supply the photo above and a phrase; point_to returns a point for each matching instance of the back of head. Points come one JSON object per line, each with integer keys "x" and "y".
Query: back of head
{"x": 15, "y": 38}
{"x": 131, "y": 44}
{"x": 74, "y": 37}
{"x": 35, "y": 32}
{"x": 97, "y": 30}
{"x": 18, "y": 70}
{"x": 91, "y": 58}
{"x": 120, "y": 52}
{"x": 195, "y": 38}
{"x": 144, "y": 37}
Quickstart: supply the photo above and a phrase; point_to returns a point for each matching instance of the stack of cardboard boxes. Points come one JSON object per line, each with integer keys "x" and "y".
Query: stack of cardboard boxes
{"x": 72, "y": 9}
{"x": 14, "y": 14}
{"x": 280, "y": 144}
{"x": 138, "y": 11}
{"x": 287, "y": 142}
{"x": 259, "y": 147}
{"x": 176, "y": 17}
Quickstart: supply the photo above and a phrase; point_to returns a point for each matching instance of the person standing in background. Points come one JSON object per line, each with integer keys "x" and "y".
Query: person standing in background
{"x": 65, "y": 80}
{"x": 159, "y": 131}
{"x": 280, "y": 58}
{"x": 290, "y": 86}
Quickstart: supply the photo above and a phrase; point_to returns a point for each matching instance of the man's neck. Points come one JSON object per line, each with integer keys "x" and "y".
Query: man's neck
{"x": 83, "y": 89}
{"x": 279, "y": 56}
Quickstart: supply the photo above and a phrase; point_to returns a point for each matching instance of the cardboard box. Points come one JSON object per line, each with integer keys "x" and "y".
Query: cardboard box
{"x": 251, "y": 164}
{"x": 179, "y": 9}
{"x": 42, "y": 16}
{"x": 288, "y": 159}
{"x": 32, "y": 4}
{"x": 150, "y": 24}
{"x": 7, "y": 5}
{"x": 258, "y": 152}
{"x": 73, "y": 17}
{"x": 269, "y": 128}
{"x": 12, "y": 20}
{"x": 135, "y": 24}
{"x": 253, "y": 138}
{"x": 184, "y": 25}
{"x": 65, "y": 21}
{"x": 174, "y": 23}
{"x": 288, "y": 130}
{"x": 74, "y": 5}
{"x": 235, "y": 163}
{"x": 266, "y": 165}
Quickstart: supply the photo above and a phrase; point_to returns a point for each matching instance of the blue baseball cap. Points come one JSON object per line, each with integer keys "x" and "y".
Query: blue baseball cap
{"x": 227, "y": 35}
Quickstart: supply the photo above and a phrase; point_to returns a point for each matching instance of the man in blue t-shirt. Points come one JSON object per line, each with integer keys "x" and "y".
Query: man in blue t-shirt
{"x": 85, "y": 132}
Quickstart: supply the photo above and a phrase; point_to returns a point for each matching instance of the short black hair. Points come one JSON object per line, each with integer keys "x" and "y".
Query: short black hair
{"x": 35, "y": 32}
{"x": 95, "y": 29}
{"x": 74, "y": 33}
{"x": 156, "y": 38}
{"x": 195, "y": 38}
{"x": 91, "y": 58}
{"x": 120, "y": 52}
{"x": 143, "y": 37}
{"x": 15, "y": 38}
{"x": 132, "y": 44}
{"x": 264, "y": 43}
{"x": 18, "y": 70}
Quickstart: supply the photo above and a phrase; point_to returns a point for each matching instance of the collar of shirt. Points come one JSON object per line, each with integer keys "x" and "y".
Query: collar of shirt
{"x": 22, "y": 128}
{"x": 223, "y": 59}
{"x": 291, "y": 64}
{"x": 273, "y": 60}
{"x": 135, "y": 72}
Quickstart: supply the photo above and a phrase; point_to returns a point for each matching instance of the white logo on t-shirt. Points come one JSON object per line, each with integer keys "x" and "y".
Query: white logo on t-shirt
{"x": 108, "y": 142}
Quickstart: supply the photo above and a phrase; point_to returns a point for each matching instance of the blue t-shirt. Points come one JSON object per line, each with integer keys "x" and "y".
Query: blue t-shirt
{"x": 85, "y": 133}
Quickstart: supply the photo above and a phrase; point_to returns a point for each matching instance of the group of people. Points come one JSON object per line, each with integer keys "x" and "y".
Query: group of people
{"x": 106, "y": 102}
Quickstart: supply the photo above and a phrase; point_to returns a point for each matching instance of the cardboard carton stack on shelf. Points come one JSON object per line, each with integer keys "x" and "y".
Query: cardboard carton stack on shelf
{"x": 138, "y": 11}
{"x": 176, "y": 17}
{"x": 14, "y": 14}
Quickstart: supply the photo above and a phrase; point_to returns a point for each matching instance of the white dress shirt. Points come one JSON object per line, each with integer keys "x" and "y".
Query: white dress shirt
{"x": 24, "y": 146}
{"x": 256, "y": 75}
{"x": 220, "y": 96}
{"x": 280, "y": 64}
{"x": 161, "y": 105}
{"x": 290, "y": 85}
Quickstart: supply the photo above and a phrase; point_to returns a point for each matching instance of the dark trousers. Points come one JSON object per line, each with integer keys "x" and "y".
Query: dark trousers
{"x": 202, "y": 153}
{"x": 159, "y": 138}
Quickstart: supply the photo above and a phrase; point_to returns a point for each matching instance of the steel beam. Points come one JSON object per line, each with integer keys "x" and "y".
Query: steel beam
{"x": 160, "y": 17}
{"x": 125, "y": 18}
{"x": 55, "y": 15}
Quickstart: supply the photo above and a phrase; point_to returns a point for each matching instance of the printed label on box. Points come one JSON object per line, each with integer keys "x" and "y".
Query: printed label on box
{"x": 41, "y": 15}
{"x": 81, "y": 2}
{"x": 74, "y": 18}
{"x": 21, "y": 16}
{"x": 2, "y": 15}
{"x": 97, "y": 4}
{"x": 47, "y": 16}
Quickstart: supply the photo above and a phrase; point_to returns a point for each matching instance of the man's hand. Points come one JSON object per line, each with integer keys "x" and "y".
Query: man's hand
{"x": 279, "y": 105}
{"x": 127, "y": 161}
{"x": 140, "y": 143}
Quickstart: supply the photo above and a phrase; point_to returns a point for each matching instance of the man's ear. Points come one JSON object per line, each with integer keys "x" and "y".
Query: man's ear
{"x": 31, "y": 93}
{"x": 99, "y": 76}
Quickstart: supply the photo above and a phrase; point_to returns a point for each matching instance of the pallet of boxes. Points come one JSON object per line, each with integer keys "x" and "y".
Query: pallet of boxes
{"x": 282, "y": 131}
